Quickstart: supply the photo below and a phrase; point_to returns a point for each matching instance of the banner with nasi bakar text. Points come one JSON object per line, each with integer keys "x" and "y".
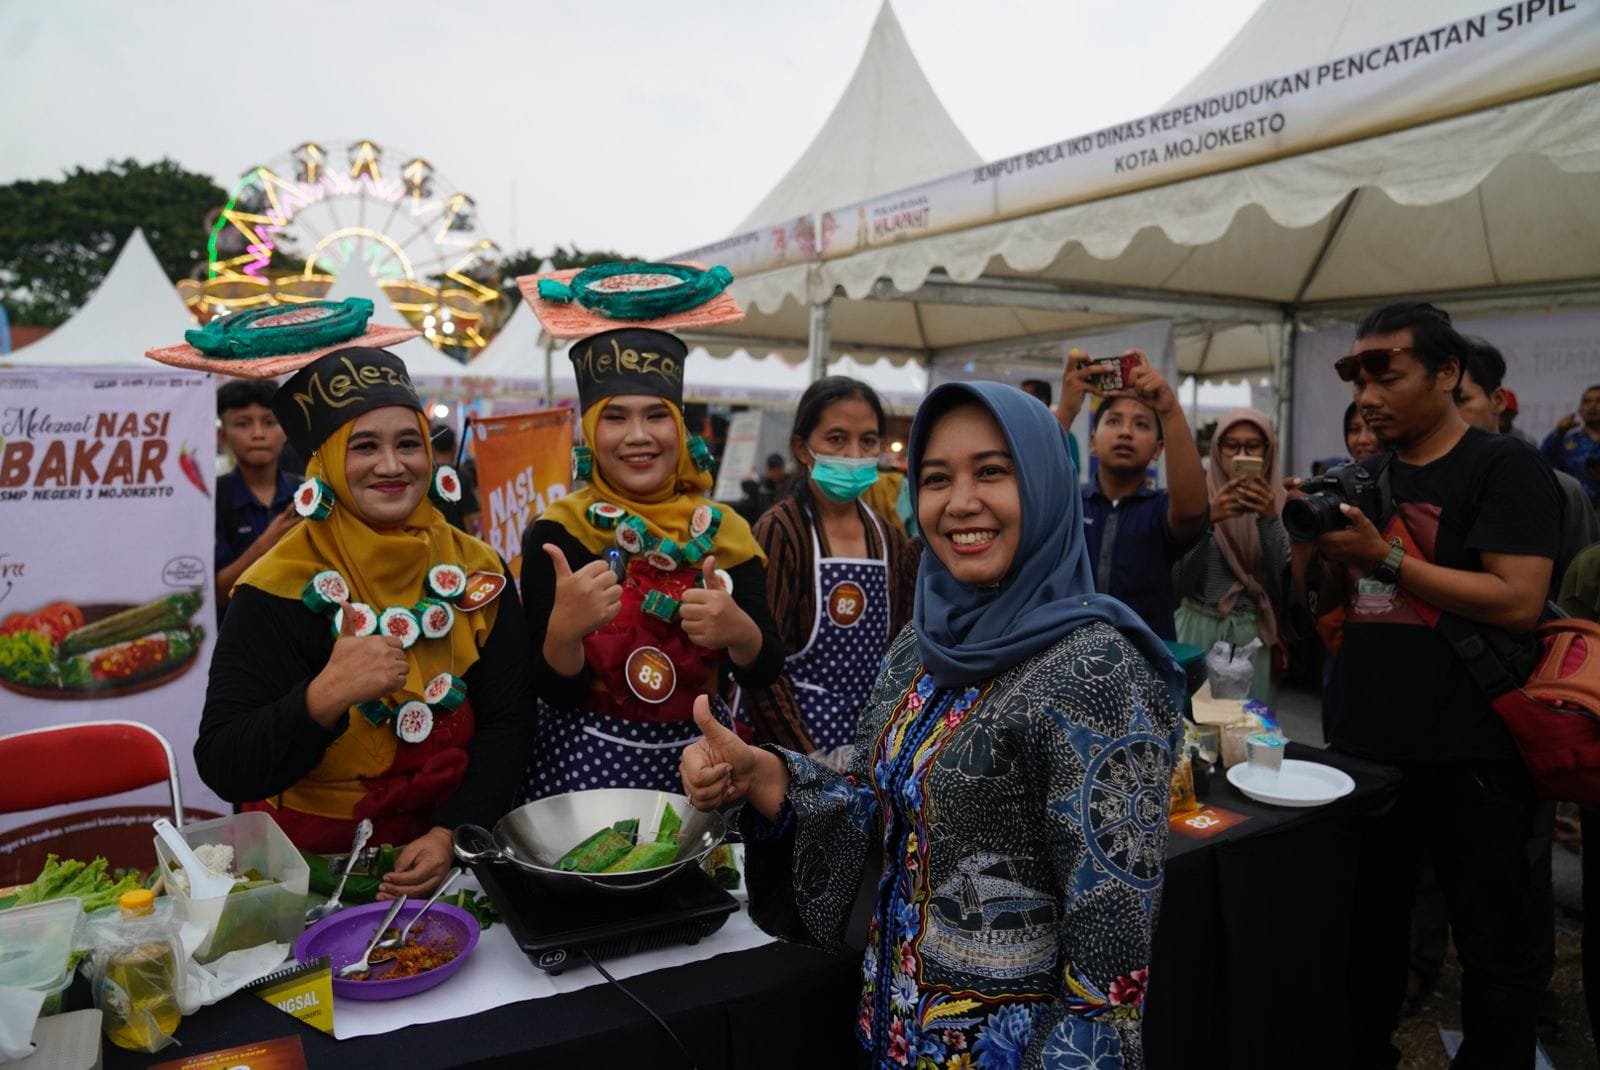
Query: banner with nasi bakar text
{"x": 524, "y": 464}
{"x": 106, "y": 596}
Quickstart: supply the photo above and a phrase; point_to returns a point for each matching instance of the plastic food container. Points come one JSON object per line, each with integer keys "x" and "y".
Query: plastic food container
{"x": 45, "y": 934}
{"x": 274, "y": 914}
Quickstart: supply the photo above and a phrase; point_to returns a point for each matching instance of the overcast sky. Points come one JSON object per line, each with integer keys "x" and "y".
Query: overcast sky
{"x": 644, "y": 126}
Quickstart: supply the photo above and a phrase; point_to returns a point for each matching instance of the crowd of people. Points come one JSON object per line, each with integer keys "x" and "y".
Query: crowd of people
{"x": 937, "y": 692}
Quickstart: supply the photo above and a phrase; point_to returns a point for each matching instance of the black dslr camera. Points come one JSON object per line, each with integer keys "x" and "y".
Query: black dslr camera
{"x": 1318, "y": 512}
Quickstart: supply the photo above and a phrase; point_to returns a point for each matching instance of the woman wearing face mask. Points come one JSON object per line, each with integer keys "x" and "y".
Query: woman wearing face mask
{"x": 1014, "y": 765}
{"x": 641, "y": 592}
{"x": 840, "y": 580}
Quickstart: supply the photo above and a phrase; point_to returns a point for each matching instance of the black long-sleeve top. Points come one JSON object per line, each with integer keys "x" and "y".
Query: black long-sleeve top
{"x": 539, "y": 599}
{"x": 257, "y": 738}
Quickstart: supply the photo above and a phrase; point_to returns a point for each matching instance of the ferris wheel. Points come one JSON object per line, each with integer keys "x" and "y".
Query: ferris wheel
{"x": 295, "y": 224}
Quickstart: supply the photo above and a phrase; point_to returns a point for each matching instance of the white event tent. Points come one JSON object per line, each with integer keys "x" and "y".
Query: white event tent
{"x": 1334, "y": 154}
{"x": 888, "y": 130}
{"x": 133, "y": 309}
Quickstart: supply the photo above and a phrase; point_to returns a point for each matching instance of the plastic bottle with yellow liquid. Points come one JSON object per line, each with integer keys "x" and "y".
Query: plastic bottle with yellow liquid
{"x": 139, "y": 977}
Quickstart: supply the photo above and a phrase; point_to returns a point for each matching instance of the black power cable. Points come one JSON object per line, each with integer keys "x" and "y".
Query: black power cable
{"x": 687, "y": 1058}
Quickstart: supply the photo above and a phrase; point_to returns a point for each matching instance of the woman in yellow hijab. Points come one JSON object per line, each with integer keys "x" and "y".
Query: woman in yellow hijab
{"x": 373, "y": 663}
{"x": 639, "y": 589}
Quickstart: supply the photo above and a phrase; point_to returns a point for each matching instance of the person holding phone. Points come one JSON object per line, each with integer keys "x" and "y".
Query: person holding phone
{"x": 1231, "y": 585}
{"x": 1134, "y": 532}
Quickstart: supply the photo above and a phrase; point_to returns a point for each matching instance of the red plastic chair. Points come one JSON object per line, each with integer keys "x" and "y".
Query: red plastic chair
{"x": 74, "y": 762}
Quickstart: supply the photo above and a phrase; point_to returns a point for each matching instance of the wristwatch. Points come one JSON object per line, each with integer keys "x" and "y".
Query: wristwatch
{"x": 1388, "y": 570}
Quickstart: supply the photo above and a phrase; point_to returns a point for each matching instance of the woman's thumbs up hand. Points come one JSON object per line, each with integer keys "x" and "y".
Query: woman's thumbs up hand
{"x": 720, "y": 768}
{"x": 713, "y": 620}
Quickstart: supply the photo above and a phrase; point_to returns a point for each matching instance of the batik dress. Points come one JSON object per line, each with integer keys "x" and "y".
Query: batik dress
{"x": 1023, "y": 823}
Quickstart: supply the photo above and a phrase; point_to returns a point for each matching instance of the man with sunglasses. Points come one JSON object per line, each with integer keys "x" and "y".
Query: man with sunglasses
{"x": 1475, "y": 529}
{"x": 1576, "y": 450}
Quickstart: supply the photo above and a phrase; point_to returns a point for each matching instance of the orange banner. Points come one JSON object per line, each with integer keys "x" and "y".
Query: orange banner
{"x": 524, "y": 463}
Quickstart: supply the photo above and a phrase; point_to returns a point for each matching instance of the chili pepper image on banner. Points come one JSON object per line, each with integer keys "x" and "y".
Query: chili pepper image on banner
{"x": 192, "y": 470}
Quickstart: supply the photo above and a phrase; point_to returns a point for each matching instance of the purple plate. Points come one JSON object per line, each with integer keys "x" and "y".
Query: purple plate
{"x": 344, "y": 936}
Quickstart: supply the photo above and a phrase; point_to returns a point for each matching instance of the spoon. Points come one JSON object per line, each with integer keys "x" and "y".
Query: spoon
{"x": 333, "y": 906}
{"x": 203, "y": 884}
{"x": 361, "y": 965}
{"x": 395, "y": 943}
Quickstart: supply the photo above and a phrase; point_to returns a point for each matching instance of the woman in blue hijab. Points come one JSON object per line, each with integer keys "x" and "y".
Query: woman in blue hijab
{"x": 1014, "y": 763}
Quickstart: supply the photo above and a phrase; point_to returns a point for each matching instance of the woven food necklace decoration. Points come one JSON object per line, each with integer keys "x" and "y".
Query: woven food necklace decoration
{"x": 620, "y": 301}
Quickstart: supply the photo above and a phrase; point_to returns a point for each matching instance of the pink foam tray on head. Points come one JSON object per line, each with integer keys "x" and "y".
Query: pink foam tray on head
{"x": 575, "y": 321}
{"x": 184, "y": 355}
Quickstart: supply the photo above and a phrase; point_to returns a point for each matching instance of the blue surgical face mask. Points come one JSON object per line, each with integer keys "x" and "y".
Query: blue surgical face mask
{"x": 844, "y": 479}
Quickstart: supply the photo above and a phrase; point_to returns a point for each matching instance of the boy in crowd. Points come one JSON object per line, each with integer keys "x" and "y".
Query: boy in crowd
{"x": 1576, "y": 450}
{"x": 1134, "y": 532}
{"x": 255, "y": 501}
{"x": 1475, "y": 530}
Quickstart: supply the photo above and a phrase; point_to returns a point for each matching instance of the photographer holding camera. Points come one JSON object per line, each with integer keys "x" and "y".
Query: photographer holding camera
{"x": 1469, "y": 526}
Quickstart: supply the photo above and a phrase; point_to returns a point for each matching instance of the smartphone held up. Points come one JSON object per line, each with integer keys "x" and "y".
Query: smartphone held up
{"x": 1112, "y": 373}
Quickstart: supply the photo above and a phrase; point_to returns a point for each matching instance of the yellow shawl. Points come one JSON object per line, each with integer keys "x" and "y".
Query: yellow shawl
{"x": 383, "y": 567}
{"x": 666, "y": 512}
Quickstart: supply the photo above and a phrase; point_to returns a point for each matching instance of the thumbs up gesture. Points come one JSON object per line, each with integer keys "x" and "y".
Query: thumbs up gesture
{"x": 586, "y": 600}
{"x": 712, "y": 619}
{"x": 720, "y": 768}
{"x": 360, "y": 669}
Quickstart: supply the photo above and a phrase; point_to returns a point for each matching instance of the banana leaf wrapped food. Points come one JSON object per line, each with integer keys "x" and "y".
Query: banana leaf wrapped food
{"x": 164, "y": 613}
{"x": 597, "y": 852}
{"x": 134, "y": 659}
{"x": 613, "y": 850}
{"x": 645, "y": 856}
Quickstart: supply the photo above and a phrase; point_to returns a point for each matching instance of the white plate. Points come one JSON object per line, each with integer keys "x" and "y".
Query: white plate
{"x": 1297, "y": 784}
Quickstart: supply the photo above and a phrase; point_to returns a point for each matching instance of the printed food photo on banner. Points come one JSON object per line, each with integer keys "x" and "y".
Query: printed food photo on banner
{"x": 100, "y": 650}
{"x": 106, "y": 542}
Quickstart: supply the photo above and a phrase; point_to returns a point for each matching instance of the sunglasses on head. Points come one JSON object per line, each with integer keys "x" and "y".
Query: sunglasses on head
{"x": 1372, "y": 361}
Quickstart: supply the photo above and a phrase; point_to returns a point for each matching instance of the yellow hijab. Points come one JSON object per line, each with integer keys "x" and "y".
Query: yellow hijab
{"x": 666, "y": 511}
{"x": 383, "y": 567}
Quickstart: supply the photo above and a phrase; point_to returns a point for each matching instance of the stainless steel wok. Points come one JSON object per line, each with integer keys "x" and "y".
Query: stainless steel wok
{"x": 532, "y": 837}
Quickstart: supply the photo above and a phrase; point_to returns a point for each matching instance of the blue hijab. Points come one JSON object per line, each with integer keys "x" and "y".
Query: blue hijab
{"x": 967, "y": 634}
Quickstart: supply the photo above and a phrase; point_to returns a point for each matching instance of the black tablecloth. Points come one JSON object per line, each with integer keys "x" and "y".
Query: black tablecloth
{"x": 1248, "y": 971}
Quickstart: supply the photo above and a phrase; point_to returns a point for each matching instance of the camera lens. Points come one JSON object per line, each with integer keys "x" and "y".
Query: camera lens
{"x": 1315, "y": 514}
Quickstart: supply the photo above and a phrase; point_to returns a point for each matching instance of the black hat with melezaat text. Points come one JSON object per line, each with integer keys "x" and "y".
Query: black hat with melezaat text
{"x": 622, "y": 313}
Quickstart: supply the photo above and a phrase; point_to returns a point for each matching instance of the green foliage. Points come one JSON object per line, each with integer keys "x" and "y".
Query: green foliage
{"x": 58, "y": 238}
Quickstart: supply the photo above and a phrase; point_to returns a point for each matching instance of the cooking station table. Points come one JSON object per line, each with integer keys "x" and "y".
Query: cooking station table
{"x": 1248, "y": 971}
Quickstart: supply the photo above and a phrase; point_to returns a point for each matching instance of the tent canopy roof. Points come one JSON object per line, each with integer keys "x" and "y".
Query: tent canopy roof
{"x": 1285, "y": 35}
{"x": 134, "y": 308}
{"x": 888, "y": 130}
{"x": 1493, "y": 209}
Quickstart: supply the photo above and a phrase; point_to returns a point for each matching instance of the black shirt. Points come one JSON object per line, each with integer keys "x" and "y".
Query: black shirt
{"x": 257, "y": 739}
{"x": 539, "y": 590}
{"x": 241, "y": 518}
{"x": 1403, "y": 694}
